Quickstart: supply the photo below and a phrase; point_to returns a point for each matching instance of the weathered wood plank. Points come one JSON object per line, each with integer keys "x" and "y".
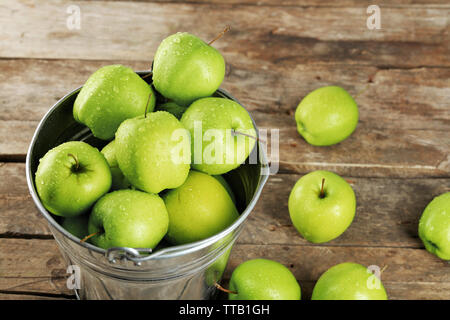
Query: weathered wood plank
{"x": 387, "y": 212}
{"x": 402, "y": 130}
{"x": 395, "y": 290}
{"x": 309, "y": 262}
{"x": 18, "y": 215}
{"x": 411, "y": 98}
{"x": 407, "y": 270}
{"x": 368, "y": 152}
{"x": 309, "y": 3}
{"x": 410, "y": 36}
{"x": 387, "y": 215}
{"x": 32, "y": 266}
{"x": 35, "y": 266}
{"x": 18, "y": 296}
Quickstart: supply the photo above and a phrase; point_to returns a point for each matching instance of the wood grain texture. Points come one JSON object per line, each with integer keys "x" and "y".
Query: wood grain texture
{"x": 387, "y": 214}
{"x": 32, "y": 266}
{"x": 404, "y": 115}
{"x": 277, "y": 51}
{"x": 35, "y": 266}
{"x": 309, "y": 3}
{"x": 22, "y": 296}
{"x": 18, "y": 215}
{"x": 410, "y": 36}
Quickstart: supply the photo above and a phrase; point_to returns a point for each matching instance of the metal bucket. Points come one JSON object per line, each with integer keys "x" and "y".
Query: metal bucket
{"x": 169, "y": 272}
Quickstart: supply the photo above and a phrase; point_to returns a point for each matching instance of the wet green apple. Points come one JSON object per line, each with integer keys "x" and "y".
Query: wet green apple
{"x": 221, "y": 134}
{"x": 71, "y": 177}
{"x": 434, "y": 226}
{"x": 321, "y": 214}
{"x": 186, "y": 68}
{"x": 119, "y": 181}
{"x": 215, "y": 271}
{"x": 263, "y": 279}
{"x": 78, "y": 226}
{"x": 172, "y": 108}
{"x": 128, "y": 218}
{"x": 200, "y": 208}
{"x": 153, "y": 152}
{"x": 111, "y": 95}
{"x": 326, "y": 116}
{"x": 349, "y": 281}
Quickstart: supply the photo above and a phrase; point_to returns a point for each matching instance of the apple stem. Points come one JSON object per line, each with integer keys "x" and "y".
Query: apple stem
{"x": 361, "y": 91}
{"x": 235, "y": 132}
{"x": 148, "y": 75}
{"x": 89, "y": 236}
{"x": 322, "y": 194}
{"x": 146, "y": 105}
{"x": 227, "y": 28}
{"x": 384, "y": 268}
{"x": 77, "y": 163}
{"x": 218, "y": 286}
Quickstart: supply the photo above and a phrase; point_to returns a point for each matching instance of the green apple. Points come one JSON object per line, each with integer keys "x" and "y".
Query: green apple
{"x": 172, "y": 108}
{"x": 215, "y": 125}
{"x": 326, "y": 116}
{"x": 349, "y": 281}
{"x": 263, "y": 279}
{"x": 434, "y": 226}
{"x": 71, "y": 177}
{"x": 198, "y": 209}
{"x": 78, "y": 226}
{"x": 321, "y": 214}
{"x": 215, "y": 271}
{"x": 153, "y": 152}
{"x": 119, "y": 181}
{"x": 128, "y": 218}
{"x": 185, "y": 68}
{"x": 111, "y": 95}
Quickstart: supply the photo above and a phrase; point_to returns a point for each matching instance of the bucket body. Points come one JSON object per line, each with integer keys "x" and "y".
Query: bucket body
{"x": 169, "y": 272}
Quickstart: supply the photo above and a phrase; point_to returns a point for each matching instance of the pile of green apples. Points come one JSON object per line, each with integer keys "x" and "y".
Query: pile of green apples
{"x": 149, "y": 182}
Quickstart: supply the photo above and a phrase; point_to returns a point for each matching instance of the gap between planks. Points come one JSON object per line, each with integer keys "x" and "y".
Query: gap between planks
{"x": 277, "y": 3}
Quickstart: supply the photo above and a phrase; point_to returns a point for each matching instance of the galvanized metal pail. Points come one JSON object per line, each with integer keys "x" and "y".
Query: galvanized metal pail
{"x": 169, "y": 272}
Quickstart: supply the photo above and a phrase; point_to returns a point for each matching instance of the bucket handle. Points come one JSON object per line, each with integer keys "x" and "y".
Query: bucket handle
{"x": 133, "y": 254}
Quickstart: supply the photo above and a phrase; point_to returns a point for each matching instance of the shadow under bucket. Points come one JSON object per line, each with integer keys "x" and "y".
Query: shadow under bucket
{"x": 169, "y": 272}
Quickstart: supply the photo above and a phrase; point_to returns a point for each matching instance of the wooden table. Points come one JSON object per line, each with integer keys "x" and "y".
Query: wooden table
{"x": 397, "y": 160}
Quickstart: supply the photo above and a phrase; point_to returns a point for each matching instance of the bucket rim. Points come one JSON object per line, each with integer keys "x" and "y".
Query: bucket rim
{"x": 164, "y": 253}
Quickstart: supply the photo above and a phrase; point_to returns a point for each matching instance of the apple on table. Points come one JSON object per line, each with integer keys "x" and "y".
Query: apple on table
{"x": 434, "y": 226}
{"x": 263, "y": 279}
{"x": 322, "y": 206}
{"x": 326, "y": 116}
{"x": 349, "y": 281}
